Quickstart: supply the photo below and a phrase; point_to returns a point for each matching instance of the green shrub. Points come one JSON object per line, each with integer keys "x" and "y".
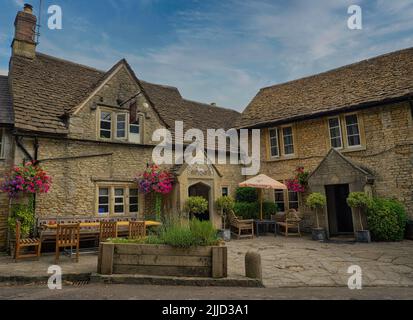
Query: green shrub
{"x": 246, "y": 195}
{"x": 246, "y": 210}
{"x": 203, "y": 232}
{"x": 387, "y": 219}
{"x": 225, "y": 203}
{"x": 358, "y": 200}
{"x": 269, "y": 208}
{"x": 180, "y": 234}
{"x": 316, "y": 200}
{"x": 25, "y": 214}
{"x": 196, "y": 205}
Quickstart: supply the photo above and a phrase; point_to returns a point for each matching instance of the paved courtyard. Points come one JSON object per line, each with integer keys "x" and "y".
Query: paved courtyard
{"x": 297, "y": 262}
{"x": 287, "y": 262}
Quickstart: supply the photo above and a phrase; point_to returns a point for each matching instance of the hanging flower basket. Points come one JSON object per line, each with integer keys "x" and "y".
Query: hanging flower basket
{"x": 158, "y": 181}
{"x": 300, "y": 182}
{"x": 28, "y": 178}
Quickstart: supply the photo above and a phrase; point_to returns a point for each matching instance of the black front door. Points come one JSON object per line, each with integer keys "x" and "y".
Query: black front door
{"x": 200, "y": 190}
{"x": 339, "y": 213}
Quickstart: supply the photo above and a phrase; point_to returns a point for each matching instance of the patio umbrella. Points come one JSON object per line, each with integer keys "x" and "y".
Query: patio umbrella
{"x": 261, "y": 182}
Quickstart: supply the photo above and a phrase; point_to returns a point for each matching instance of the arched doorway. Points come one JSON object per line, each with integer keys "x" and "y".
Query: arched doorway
{"x": 201, "y": 190}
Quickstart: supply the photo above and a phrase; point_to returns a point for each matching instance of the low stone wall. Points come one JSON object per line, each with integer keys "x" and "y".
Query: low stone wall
{"x": 162, "y": 260}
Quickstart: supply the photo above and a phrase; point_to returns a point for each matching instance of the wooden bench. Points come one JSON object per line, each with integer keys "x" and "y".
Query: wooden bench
{"x": 291, "y": 222}
{"x": 241, "y": 226}
{"x": 26, "y": 243}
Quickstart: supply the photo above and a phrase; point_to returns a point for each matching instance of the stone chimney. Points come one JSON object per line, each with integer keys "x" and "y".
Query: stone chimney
{"x": 24, "y": 43}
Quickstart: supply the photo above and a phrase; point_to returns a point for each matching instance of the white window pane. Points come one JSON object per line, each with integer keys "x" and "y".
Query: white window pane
{"x": 288, "y": 140}
{"x": 274, "y": 143}
{"x": 106, "y": 116}
{"x": 353, "y": 131}
{"x": 103, "y": 191}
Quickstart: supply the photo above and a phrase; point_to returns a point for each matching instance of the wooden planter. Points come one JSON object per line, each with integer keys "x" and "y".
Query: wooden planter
{"x": 162, "y": 260}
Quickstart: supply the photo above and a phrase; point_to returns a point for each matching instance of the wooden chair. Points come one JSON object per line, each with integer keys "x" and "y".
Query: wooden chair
{"x": 25, "y": 243}
{"x": 108, "y": 229}
{"x": 240, "y": 226}
{"x": 137, "y": 229}
{"x": 67, "y": 235}
{"x": 291, "y": 222}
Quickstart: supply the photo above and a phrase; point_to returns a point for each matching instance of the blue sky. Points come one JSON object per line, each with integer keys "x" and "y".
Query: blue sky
{"x": 219, "y": 51}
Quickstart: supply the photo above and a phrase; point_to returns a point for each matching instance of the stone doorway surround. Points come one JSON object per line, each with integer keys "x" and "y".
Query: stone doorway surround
{"x": 336, "y": 169}
{"x": 205, "y": 174}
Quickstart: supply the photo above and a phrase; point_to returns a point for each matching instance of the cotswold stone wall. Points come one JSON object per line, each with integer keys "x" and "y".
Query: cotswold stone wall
{"x": 388, "y": 151}
{"x": 75, "y": 179}
{"x": 5, "y": 166}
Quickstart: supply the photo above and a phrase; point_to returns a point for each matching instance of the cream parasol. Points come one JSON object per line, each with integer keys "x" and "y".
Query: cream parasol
{"x": 263, "y": 182}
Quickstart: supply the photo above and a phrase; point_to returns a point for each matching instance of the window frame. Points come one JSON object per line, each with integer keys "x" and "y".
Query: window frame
{"x": 295, "y": 201}
{"x": 222, "y": 193}
{"x": 292, "y": 140}
{"x": 112, "y": 199}
{"x": 99, "y": 204}
{"x": 126, "y": 129}
{"x": 2, "y": 143}
{"x": 281, "y": 192}
{"x": 278, "y": 143}
{"x": 358, "y": 128}
{"x": 140, "y": 119}
{"x": 340, "y": 130}
{"x": 100, "y": 124}
{"x": 137, "y": 200}
{"x": 123, "y": 204}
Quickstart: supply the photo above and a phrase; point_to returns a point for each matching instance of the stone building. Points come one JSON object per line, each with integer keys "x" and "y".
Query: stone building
{"x": 350, "y": 127}
{"x": 92, "y": 131}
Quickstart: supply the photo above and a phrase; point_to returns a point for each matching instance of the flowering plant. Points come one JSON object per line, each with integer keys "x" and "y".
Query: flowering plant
{"x": 300, "y": 181}
{"x": 27, "y": 178}
{"x": 154, "y": 179}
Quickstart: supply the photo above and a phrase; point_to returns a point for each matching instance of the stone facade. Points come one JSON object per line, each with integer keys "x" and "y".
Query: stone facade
{"x": 387, "y": 152}
{"x": 5, "y": 165}
{"x": 81, "y": 162}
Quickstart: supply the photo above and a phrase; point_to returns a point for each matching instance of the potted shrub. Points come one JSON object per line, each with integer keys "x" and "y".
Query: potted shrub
{"x": 196, "y": 206}
{"x": 359, "y": 202}
{"x": 317, "y": 201}
{"x": 225, "y": 205}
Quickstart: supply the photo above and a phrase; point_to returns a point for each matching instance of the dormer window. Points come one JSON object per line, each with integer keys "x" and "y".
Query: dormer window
{"x": 119, "y": 126}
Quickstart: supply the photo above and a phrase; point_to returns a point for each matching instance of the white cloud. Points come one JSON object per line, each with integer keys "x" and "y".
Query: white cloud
{"x": 227, "y": 53}
{"x": 19, "y": 3}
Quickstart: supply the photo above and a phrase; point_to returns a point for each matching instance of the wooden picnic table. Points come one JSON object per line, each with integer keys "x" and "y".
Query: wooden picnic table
{"x": 90, "y": 230}
{"x": 91, "y": 225}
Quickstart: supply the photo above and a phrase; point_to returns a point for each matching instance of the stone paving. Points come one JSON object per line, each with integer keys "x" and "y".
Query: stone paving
{"x": 300, "y": 262}
{"x": 287, "y": 262}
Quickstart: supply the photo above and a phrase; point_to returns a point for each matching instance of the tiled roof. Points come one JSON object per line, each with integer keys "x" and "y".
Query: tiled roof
{"x": 374, "y": 80}
{"x": 6, "y": 108}
{"x": 171, "y": 106}
{"x": 46, "y": 88}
